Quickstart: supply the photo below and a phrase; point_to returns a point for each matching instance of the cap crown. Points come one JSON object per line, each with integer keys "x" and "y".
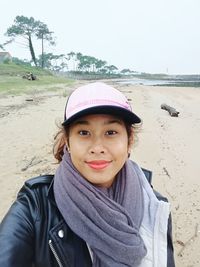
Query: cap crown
{"x": 94, "y": 95}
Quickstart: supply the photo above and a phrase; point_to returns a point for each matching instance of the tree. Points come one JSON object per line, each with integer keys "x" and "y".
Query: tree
{"x": 92, "y": 62}
{"x": 58, "y": 62}
{"x": 89, "y": 63}
{"x": 45, "y": 60}
{"x": 72, "y": 57}
{"x": 52, "y": 62}
{"x": 43, "y": 33}
{"x": 28, "y": 28}
{"x": 2, "y": 46}
{"x": 111, "y": 68}
{"x": 85, "y": 63}
{"x": 21, "y": 61}
{"x": 99, "y": 64}
{"x": 126, "y": 71}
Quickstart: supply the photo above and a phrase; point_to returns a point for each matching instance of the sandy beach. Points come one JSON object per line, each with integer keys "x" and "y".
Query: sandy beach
{"x": 169, "y": 146}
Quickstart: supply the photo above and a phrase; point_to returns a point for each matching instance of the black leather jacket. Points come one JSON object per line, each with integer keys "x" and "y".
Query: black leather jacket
{"x": 33, "y": 233}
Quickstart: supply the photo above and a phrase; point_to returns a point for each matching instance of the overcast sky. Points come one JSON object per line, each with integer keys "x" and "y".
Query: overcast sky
{"x": 157, "y": 36}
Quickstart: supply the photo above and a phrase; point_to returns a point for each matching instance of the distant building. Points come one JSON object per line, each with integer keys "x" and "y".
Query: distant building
{"x": 5, "y": 56}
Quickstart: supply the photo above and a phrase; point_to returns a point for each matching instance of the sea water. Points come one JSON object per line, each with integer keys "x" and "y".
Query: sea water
{"x": 153, "y": 82}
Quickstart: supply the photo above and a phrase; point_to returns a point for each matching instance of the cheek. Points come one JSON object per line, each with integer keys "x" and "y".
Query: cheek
{"x": 77, "y": 157}
{"x": 121, "y": 149}
{"x": 76, "y": 146}
{"x": 77, "y": 150}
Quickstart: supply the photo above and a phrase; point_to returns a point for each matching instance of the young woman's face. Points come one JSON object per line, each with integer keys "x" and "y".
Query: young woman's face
{"x": 99, "y": 147}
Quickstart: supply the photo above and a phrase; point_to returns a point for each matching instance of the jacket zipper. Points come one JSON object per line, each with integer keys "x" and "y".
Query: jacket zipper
{"x": 54, "y": 253}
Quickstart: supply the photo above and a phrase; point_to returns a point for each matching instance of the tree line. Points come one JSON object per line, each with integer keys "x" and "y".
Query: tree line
{"x": 32, "y": 30}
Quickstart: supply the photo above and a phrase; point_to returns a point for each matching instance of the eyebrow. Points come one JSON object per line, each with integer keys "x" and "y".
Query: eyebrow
{"x": 85, "y": 122}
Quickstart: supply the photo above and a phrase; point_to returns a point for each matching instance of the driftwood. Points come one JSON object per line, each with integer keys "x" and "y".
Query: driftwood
{"x": 29, "y": 76}
{"x": 33, "y": 161}
{"x": 172, "y": 111}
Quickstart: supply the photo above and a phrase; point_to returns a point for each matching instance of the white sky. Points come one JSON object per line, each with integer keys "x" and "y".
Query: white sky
{"x": 157, "y": 36}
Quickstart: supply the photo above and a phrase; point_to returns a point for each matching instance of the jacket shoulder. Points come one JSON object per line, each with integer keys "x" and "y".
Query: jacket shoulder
{"x": 148, "y": 174}
{"x": 39, "y": 180}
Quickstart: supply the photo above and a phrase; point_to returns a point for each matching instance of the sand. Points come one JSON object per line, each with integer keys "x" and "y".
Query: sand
{"x": 169, "y": 146}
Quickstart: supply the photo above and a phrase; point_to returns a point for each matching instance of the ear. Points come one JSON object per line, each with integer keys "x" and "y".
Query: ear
{"x": 66, "y": 140}
{"x": 131, "y": 140}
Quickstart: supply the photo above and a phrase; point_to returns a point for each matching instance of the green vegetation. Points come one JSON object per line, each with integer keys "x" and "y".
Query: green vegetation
{"x": 28, "y": 28}
{"x": 11, "y": 80}
{"x": 13, "y": 69}
{"x": 32, "y": 31}
{"x": 51, "y": 69}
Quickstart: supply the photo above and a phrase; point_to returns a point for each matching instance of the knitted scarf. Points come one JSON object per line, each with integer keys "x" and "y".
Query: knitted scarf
{"x": 107, "y": 219}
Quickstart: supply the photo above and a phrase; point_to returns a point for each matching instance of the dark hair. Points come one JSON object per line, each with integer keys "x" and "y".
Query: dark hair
{"x": 62, "y": 136}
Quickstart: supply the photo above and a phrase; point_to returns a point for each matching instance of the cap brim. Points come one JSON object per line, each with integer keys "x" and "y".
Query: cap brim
{"x": 126, "y": 115}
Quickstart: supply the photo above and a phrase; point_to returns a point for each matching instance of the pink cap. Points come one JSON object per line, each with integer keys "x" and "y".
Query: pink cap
{"x": 98, "y": 98}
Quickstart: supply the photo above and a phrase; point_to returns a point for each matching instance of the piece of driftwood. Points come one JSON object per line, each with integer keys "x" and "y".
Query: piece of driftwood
{"x": 33, "y": 161}
{"x": 172, "y": 111}
{"x": 29, "y": 76}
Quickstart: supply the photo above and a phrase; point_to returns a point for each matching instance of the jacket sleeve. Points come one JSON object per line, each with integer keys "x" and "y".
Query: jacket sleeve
{"x": 170, "y": 248}
{"x": 16, "y": 234}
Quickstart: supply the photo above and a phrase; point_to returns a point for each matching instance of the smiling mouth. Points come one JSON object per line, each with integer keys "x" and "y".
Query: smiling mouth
{"x": 98, "y": 164}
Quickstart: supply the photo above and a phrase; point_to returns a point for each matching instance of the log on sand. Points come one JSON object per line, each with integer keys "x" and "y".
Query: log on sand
{"x": 172, "y": 111}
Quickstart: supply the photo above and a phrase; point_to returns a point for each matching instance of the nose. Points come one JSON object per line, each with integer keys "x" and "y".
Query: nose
{"x": 97, "y": 147}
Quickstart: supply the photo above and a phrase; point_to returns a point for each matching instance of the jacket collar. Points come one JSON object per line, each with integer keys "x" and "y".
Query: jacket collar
{"x": 50, "y": 193}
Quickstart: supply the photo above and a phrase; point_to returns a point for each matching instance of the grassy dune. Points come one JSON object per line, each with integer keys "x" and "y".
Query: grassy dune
{"x": 11, "y": 81}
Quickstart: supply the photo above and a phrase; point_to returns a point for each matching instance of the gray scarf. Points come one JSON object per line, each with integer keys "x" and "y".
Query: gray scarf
{"x": 107, "y": 219}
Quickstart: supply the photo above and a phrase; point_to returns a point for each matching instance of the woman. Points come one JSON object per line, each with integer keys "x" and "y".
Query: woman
{"x": 98, "y": 209}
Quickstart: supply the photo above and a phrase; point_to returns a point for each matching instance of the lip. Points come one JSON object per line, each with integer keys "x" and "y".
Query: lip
{"x": 98, "y": 164}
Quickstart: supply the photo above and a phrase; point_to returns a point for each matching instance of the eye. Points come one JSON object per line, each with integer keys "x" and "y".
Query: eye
{"x": 83, "y": 132}
{"x": 111, "y": 132}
